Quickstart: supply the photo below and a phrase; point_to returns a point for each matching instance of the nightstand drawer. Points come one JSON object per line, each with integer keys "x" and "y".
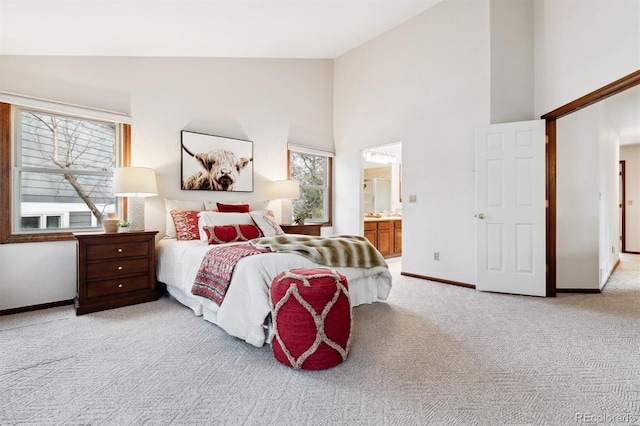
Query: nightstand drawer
{"x": 115, "y": 286}
{"x": 117, "y": 251}
{"x": 116, "y": 268}
{"x": 307, "y": 229}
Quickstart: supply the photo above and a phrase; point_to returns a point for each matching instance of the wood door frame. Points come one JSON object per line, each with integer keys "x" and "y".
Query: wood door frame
{"x": 623, "y": 212}
{"x": 551, "y": 118}
{"x": 623, "y": 200}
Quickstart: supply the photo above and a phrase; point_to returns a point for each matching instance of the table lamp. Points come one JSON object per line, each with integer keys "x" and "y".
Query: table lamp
{"x": 135, "y": 183}
{"x": 285, "y": 190}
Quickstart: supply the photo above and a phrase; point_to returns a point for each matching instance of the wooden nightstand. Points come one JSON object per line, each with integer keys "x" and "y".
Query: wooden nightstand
{"x": 115, "y": 269}
{"x": 313, "y": 230}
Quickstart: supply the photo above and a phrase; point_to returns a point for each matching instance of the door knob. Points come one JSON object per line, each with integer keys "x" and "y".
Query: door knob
{"x": 481, "y": 216}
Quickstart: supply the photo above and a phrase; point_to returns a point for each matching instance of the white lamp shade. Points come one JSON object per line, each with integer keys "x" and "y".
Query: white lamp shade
{"x": 285, "y": 189}
{"x": 134, "y": 182}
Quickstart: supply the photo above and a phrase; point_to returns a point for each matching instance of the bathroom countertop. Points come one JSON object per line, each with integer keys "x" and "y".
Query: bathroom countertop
{"x": 381, "y": 219}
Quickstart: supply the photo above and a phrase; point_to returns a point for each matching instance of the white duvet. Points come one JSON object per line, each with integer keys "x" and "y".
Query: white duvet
{"x": 245, "y": 309}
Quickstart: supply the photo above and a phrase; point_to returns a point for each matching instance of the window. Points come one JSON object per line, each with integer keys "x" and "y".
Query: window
{"x": 56, "y": 172}
{"x": 312, "y": 169}
{"x": 29, "y": 221}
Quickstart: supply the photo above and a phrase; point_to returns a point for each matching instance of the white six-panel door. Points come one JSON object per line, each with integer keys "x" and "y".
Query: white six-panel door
{"x": 510, "y": 208}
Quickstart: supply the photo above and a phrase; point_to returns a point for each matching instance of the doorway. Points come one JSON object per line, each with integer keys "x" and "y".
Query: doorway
{"x": 630, "y": 198}
{"x": 381, "y": 195}
{"x": 622, "y": 209}
{"x": 551, "y": 118}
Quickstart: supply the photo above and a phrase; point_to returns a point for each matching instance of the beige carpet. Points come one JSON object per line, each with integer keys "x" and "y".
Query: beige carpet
{"x": 433, "y": 354}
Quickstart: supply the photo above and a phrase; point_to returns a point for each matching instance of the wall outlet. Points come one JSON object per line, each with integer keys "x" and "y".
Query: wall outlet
{"x": 436, "y": 255}
{"x": 413, "y": 198}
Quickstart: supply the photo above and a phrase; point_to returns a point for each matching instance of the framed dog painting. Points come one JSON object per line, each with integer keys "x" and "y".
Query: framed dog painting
{"x": 214, "y": 163}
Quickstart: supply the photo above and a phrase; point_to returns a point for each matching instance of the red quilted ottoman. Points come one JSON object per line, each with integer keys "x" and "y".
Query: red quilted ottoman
{"x": 311, "y": 314}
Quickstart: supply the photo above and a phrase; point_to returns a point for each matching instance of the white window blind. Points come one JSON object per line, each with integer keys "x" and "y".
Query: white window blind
{"x": 309, "y": 150}
{"x": 65, "y": 108}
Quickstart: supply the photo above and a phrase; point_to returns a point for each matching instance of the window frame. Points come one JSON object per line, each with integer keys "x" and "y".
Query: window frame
{"x": 7, "y": 235}
{"x": 329, "y": 158}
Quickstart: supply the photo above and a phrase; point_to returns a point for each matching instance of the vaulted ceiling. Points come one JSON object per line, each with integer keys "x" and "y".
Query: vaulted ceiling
{"x": 222, "y": 28}
{"x": 198, "y": 28}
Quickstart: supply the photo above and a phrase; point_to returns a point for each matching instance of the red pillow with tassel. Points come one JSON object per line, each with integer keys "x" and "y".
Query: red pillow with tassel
{"x": 231, "y": 233}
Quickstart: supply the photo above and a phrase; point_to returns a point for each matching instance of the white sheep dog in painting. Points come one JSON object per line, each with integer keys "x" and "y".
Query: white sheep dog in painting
{"x": 222, "y": 168}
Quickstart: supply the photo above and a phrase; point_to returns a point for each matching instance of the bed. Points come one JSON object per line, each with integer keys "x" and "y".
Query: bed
{"x": 245, "y": 311}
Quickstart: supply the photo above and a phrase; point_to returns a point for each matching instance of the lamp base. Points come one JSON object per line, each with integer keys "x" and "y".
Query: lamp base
{"x": 135, "y": 213}
{"x": 286, "y": 214}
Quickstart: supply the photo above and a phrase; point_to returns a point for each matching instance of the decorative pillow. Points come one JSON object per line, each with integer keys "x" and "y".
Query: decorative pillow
{"x": 231, "y": 233}
{"x": 209, "y": 218}
{"x": 233, "y": 208}
{"x": 253, "y": 205}
{"x": 170, "y": 231}
{"x": 266, "y": 223}
{"x": 186, "y": 224}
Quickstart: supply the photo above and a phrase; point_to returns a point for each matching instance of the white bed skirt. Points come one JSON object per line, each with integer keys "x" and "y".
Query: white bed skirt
{"x": 246, "y": 308}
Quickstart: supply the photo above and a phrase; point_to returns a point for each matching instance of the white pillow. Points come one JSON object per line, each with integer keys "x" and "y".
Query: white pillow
{"x": 266, "y": 223}
{"x": 170, "y": 227}
{"x": 209, "y": 218}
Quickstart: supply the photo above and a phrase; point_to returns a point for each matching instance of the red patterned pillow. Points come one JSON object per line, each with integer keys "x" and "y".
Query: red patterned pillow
{"x": 231, "y": 233}
{"x": 233, "y": 208}
{"x": 186, "y": 222}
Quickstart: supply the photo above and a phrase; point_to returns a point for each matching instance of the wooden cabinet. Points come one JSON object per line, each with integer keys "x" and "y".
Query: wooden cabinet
{"x": 397, "y": 237}
{"x": 385, "y": 235}
{"x": 385, "y": 238}
{"x": 371, "y": 232}
{"x": 115, "y": 270}
{"x": 307, "y": 229}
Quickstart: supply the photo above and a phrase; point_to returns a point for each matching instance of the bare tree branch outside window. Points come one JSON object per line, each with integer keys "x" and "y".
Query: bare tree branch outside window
{"x": 66, "y": 160}
{"x": 311, "y": 172}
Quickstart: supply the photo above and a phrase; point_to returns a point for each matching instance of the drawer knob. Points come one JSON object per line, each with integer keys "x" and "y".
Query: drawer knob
{"x": 119, "y": 250}
{"x": 119, "y": 268}
{"x": 119, "y": 285}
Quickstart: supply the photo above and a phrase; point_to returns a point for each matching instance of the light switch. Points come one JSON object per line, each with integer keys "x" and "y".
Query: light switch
{"x": 413, "y": 198}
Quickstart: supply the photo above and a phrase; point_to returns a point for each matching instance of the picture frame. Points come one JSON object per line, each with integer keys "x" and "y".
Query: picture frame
{"x": 215, "y": 163}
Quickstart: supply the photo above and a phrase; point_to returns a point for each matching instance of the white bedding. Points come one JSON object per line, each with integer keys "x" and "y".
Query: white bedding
{"x": 245, "y": 310}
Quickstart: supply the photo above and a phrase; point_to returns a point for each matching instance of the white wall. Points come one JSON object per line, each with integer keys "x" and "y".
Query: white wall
{"x": 577, "y": 204}
{"x": 587, "y": 199}
{"x": 35, "y": 273}
{"x": 609, "y": 179}
{"x": 631, "y": 156}
{"x": 270, "y": 102}
{"x": 425, "y": 83}
{"x": 511, "y": 26}
{"x": 581, "y": 46}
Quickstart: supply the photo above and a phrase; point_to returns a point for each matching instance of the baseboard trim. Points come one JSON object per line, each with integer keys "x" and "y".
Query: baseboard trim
{"x": 613, "y": 268}
{"x": 438, "y": 280}
{"x": 579, "y": 290}
{"x": 12, "y": 311}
